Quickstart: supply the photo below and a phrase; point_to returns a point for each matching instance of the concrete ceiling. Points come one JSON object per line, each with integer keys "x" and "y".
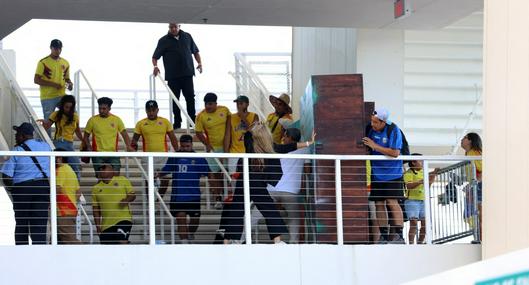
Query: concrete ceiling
{"x": 429, "y": 14}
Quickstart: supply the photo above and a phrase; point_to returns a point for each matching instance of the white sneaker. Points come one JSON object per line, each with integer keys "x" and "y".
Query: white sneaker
{"x": 218, "y": 205}
{"x": 280, "y": 242}
{"x": 184, "y": 241}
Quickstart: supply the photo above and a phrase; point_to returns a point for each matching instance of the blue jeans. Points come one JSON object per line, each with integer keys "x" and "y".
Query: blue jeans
{"x": 73, "y": 161}
{"x": 48, "y": 106}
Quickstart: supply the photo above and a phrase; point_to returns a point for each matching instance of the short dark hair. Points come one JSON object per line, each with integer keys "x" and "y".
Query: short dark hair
{"x": 294, "y": 134}
{"x": 61, "y": 157}
{"x": 411, "y": 161}
{"x": 210, "y": 98}
{"x": 105, "y": 101}
{"x": 186, "y": 139}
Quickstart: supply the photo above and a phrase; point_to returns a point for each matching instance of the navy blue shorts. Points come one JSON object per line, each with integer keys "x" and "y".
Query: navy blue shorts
{"x": 191, "y": 208}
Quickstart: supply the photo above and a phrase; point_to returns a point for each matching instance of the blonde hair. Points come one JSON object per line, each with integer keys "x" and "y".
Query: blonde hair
{"x": 262, "y": 143}
{"x": 262, "y": 138}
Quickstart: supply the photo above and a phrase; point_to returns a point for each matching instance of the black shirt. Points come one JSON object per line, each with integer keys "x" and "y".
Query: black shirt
{"x": 177, "y": 55}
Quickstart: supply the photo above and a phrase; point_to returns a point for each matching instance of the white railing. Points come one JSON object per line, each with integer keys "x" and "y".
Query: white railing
{"x": 338, "y": 159}
{"x": 17, "y": 92}
{"x": 251, "y": 73}
{"x": 87, "y": 218}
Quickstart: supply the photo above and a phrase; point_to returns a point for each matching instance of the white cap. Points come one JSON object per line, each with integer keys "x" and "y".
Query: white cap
{"x": 382, "y": 114}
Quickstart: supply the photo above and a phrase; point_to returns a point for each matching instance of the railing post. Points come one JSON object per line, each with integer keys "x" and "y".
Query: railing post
{"x": 150, "y": 183}
{"x": 76, "y": 91}
{"x": 247, "y": 210}
{"x": 427, "y": 206}
{"x": 150, "y": 87}
{"x": 53, "y": 201}
{"x": 339, "y": 208}
{"x": 93, "y": 104}
{"x": 475, "y": 209}
{"x": 136, "y": 106}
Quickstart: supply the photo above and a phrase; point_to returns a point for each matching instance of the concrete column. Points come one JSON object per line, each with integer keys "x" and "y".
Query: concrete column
{"x": 506, "y": 127}
{"x": 320, "y": 51}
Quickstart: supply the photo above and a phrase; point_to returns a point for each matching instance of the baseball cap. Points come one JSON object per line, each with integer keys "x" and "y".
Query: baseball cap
{"x": 242, "y": 98}
{"x": 151, "y": 104}
{"x": 24, "y": 128}
{"x": 210, "y": 97}
{"x": 382, "y": 114}
{"x": 56, "y": 43}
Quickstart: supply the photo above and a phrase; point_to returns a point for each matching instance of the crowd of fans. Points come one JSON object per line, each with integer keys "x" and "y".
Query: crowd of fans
{"x": 275, "y": 183}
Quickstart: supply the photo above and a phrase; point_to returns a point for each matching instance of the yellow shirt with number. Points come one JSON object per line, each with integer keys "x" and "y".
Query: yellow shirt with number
{"x": 56, "y": 71}
{"x": 213, "y": 125}
{"x": 69, "y": 185}
{"x": 238, "y": 129}
{"x": 108, "y": 196}
{"x": 154, "y": 134}
{"x": 104, "y": 132}
{"x": 272, "y": 121}
{"x": 63, "y": 129}
{"x": 411, "y": 176}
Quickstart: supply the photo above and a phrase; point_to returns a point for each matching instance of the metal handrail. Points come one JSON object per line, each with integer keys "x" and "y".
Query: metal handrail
{"x": 83, "y": 212}
{"x": 470, "y": 118}
{"x": 17, "y": 91}
{"x": 189, "y": 120}
{"x": 168, "y": 212}
{"x": 159, "y": 197}
{"x": 239, "y": 86}
{"x": 246, "y": 187}
{"x": 263, "y": 91}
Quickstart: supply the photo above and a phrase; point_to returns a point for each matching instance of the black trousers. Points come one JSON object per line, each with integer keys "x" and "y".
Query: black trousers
{"x": 184, "y": 84}
{"x": 31, "y": 201}
{"x": 232, "y": 220}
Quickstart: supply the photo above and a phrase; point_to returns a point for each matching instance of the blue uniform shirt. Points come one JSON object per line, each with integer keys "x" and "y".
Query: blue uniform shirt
{"x": 186, "y": 177}
{"x": 22, "y": 168}
{"x": 386, "y": 170}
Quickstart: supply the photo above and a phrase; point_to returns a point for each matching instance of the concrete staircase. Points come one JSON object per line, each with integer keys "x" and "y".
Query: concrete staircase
{"x": 208, "y": 222}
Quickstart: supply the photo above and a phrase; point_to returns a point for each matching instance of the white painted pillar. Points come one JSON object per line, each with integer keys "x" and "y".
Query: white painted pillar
{"x": 320, "y": 51}
{"x": 506, "y": 131}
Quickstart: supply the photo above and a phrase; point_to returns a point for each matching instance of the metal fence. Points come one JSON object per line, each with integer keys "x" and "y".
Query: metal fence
{"x": 331, "y": 205}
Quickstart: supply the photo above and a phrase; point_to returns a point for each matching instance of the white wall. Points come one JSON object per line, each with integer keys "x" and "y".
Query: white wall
{"x": 234, "y": 264}
{"x": 320, "y": 51}
{"x": 506, "y": 89}
{"x": 486, "y": 270}
{"x": 381, "y": 61}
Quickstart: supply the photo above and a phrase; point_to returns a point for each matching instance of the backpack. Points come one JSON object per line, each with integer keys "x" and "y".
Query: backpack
{"x": 405, "y": 150}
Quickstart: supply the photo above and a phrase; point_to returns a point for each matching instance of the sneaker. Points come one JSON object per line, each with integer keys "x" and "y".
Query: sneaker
{"x": 397, "y": 240}
{"x": 184, "y": 241}
{"x": 218, "y": 203}
{"x": 280, "y": 242}
{"x": 382, "y": 240}
{"x": 191, "y": 236}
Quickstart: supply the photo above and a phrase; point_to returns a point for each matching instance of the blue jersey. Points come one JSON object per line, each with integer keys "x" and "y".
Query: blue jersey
{"x": 386, "y": 170}
{"x": 22, "y": 168}
{"x": 186, "y": 177}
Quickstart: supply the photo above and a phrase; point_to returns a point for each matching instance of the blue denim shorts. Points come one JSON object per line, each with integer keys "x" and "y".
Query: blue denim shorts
{"x": 414, "y": 209}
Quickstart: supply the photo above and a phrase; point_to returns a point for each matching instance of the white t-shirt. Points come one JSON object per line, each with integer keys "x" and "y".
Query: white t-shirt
{"x": 292, "y": 170}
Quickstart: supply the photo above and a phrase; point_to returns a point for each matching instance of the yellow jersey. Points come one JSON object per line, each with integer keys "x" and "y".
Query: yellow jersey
{"x": 154, "y": 134}
{"x": 213, "y": 125}
{"x": 69, "y": 185}
{"x": 277, "y": 130}
{"x": 238, "y": 129}
{"x": 63, "y": 129}
{"x": 477, "y": 163}
{"x": 108, "y": 196}
{"x": 104, "y": 132}
{"x": 411, "y": 176}
{"x": 53, "y": 70}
